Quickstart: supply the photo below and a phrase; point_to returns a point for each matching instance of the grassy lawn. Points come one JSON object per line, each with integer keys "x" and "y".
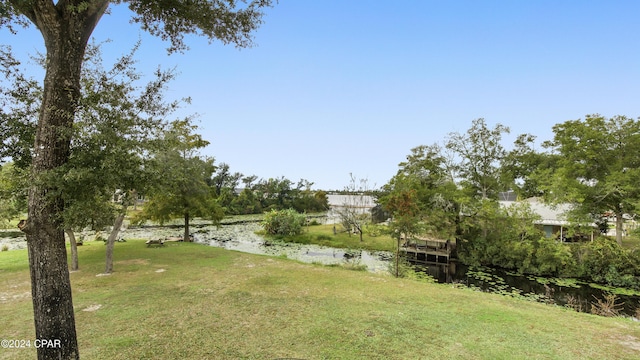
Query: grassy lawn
{"x": 631, "y": 242}
{"x": 323, "y": 235}
{"x": 189, "y": 301}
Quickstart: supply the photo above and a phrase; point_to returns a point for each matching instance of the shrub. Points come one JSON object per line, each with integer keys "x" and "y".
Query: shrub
{"x": 604, "y": 261}
{"x": 283, "y": 222}
{"x": 552, "y": 257}
{"x": 374, "y": 230}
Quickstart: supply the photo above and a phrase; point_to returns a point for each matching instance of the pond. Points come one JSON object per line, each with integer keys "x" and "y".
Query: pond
{"x": 572, "y": 293}
{"x": 241, "y": 236}
{"x": 563, "y": 292}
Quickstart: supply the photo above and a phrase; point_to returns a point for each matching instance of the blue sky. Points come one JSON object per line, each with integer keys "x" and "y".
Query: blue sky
{"x": 336, "y": 87}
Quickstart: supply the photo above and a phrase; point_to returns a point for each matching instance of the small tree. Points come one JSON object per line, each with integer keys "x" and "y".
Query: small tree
{"x": 116, "y": 119}
{"x": 354, "y": 213}
{"x": 403, "y": 205}
{"x": 179, "y": 185}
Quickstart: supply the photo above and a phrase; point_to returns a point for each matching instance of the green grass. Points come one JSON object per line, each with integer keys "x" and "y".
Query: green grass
{"x": 631, "y": 242}
{"x": 323, "y": 235}
{"x": 209, "y": 303}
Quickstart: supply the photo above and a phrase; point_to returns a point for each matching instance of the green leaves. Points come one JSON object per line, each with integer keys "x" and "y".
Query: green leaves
{"x": 179, "y": 177}
{"x": 480, "y": 153}
{"x": 597, "y": 165}
{"x": 224, "y": 20}
{"x": 285, "y": 222}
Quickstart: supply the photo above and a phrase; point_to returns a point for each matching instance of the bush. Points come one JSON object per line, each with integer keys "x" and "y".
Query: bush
{"x": 604, "y": 261}
{"x": 283, "y": 222}
{"x": 552, "y": 257}
{"x": 374, "y": 230}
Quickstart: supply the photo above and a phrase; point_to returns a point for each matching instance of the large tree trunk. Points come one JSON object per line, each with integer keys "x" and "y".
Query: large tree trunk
{"x": 74, "y": 249}
{"x": 111, "y": 242}
{"x": 65, "y": 30}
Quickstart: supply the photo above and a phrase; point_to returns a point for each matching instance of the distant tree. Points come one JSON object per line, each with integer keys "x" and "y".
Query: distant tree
{"x": 307, "y": 200}
{"x": 275, "y": 193}
{"x": 224, "y": 178}
{"x": 598, "y": 166}
{"x": 321, "y": 200}
{"x": 522, "y": 164}
{"x": 353, "y": 213}
{"x": 403, "y": 204}
{"x": 480, "y": 154}
{"x": 247, "y": 202}
{"x": 180, "y": 175}
{"x": 428, "y": 172}
{"x": 258, "y": 195}
{"x": 224, "y": 184}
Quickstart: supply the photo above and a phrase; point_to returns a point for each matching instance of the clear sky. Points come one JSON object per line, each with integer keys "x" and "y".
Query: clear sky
{"x": 335, "y": 87}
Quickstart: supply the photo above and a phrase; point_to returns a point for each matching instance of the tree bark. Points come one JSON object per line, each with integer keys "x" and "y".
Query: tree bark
{"x": 186, "y": 228}
{"x": 619, "y": 225}
{"x": 65, "y": 31}
{"x": 74, "y": 249}
{"x": 111, "y": 240}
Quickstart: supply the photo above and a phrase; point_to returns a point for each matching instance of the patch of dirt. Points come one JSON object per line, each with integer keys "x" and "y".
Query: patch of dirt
{"x": 17, "y": 291}
{"x": 92, "y": 307}
{"x": 133, "y": 262}
{"x": 631, "y": 342}
{"x": 8, "y": 297}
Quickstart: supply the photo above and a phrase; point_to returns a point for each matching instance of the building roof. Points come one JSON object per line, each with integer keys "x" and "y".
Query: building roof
{"x": 549, "y": 214}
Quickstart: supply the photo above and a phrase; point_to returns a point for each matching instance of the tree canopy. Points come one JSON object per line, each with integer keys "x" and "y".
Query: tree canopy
{"x": 598, "y": 166}
{"x": 179, "y": 179}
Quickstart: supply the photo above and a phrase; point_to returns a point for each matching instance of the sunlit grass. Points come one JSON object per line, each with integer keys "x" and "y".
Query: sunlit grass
{"x": 188, "y": 301}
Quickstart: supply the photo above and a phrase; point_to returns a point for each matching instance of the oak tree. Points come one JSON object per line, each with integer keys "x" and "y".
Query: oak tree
{"x": 66, "y": 26}
{"x": 598, "y": 167}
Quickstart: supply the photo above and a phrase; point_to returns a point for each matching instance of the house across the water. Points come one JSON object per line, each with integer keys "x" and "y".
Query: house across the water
{"x": 553, "y": 220}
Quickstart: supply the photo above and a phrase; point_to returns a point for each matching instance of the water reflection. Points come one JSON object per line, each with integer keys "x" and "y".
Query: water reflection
{"x": 578, "y": 295}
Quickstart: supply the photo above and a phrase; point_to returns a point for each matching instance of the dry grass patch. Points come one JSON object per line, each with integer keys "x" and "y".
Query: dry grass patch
{"x": 217, "y": 304}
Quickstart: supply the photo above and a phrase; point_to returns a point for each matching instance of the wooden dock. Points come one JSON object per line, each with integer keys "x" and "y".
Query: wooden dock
{"x": 425, "y": 251}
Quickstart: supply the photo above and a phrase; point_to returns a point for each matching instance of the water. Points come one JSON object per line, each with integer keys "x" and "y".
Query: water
{"x": 242, "y": 237}
{"x": 580, "y": 296}
{"x": 563, "y": 292}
